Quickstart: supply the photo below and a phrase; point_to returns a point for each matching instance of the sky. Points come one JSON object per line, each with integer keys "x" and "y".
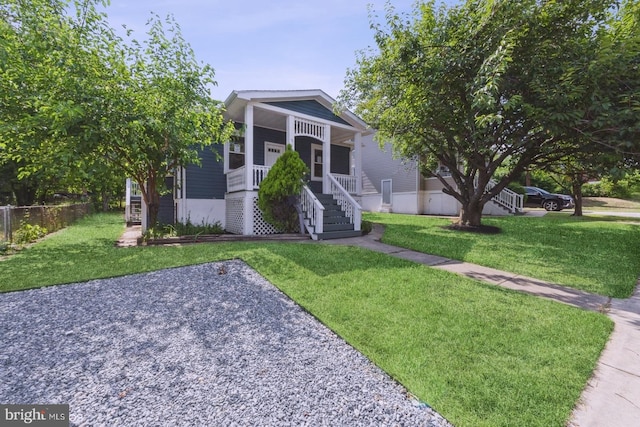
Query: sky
{"x": 266, "y": 44}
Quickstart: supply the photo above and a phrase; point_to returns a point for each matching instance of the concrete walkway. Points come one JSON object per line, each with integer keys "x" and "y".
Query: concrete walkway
{"x": 612, "y": 395}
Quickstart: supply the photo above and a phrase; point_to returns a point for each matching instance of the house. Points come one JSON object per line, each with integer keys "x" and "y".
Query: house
{"x": 396, "y": 185}
{"x": 224, "y": 188}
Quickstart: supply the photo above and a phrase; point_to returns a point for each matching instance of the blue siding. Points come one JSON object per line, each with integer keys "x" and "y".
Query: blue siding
{"x": 311, "y": 108}
{"x": 303, "y": 147}
{"x": 260, "y": 135}
{"x": 208, "y": 180}
{"x": 166, "y": 212}
{"x": 340, "y": 159}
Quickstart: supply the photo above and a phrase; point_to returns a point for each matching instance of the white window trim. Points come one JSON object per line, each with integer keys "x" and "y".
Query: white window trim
{"x": 314, "y": 148}
{"x": 227, "y": 153}
{"x": 390, "y": 181}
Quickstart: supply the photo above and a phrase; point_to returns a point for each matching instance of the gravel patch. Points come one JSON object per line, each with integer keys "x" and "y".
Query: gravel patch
{"x": 212, "y": 344}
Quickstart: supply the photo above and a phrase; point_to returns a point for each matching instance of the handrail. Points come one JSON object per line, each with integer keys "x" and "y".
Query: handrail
{"x": 314, "y": 211}
{"x": 349, "y": 205}
{"x": 348, "y": 182}
{"x": 507, "y": 198}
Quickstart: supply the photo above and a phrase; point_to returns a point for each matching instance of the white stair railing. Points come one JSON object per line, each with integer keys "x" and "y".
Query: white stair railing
{"x": 313, "y": 212}
{"x": 508, "y": 199}
{"x": 350, "y": 207}
{"x": 348, "y": 182}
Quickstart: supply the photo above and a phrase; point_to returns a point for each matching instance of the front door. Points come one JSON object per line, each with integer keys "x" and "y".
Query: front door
{"x": 272, "y": 152}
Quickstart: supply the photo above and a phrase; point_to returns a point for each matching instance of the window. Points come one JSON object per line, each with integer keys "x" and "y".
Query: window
{"x": 316, "y": 163}
{"x": 235, "y": 153}
{"x": 386, "y": 191}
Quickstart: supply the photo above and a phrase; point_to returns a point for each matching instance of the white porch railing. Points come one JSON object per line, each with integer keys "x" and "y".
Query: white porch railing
{"x": 314, "y": 211}
{"x": 310, "y": 128}
{"x": 348, "y": 182}
{"x": 350, "y": 207}
{"x": 507, "y": 198}
{"x": 259, "y": 174}
{"x": 237, "y": 178}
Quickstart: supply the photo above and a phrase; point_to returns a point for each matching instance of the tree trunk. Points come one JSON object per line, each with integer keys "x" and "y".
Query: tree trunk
{"x": 105, "y": 201}
{"x": 471, "y": 214}
{"x": 576, "y": 184}
{"x": 154, "y": 207}
{"x": 25, "y": 193}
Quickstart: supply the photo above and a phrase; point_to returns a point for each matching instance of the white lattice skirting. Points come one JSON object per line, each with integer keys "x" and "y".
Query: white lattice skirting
{"x": 243, "y": 215}
{"x": 235, "y": 213}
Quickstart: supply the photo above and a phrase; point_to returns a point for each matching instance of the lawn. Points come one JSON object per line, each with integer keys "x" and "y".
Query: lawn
{"x": 479, "y": 354}
{"x": 595, "y": 254}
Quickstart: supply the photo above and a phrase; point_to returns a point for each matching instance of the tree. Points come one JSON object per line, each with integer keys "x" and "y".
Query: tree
{"x": 606, "y": 134}
{"x": 160, "y": 110}
{"x": 478, "y": 86}
{"x": 76, "y": 99}
{"x": 280, "y": 190}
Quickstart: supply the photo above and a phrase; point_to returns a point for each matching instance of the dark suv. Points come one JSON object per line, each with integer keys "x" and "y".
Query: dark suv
{"x": 539, "y": 198}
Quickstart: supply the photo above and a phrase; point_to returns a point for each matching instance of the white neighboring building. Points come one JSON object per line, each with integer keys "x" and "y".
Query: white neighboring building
{"x": 395, "y": 185}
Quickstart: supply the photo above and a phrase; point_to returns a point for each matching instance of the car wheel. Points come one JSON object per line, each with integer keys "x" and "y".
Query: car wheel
{"x": 551, "y": 205}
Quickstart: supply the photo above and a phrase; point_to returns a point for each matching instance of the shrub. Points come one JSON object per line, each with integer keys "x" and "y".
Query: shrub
{"x": 279, "y": 192}
{"x": 28, "y": 233}
{"x": 190, "y": 229}
{"x": 608, "y": 187}
{"x": 366, "y": 227}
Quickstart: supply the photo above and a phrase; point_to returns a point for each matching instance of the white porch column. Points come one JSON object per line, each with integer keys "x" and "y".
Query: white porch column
{"x": 357, "y": 152}
{"x": 291, "y": 132}
{"x": 326, "y": 158}
{"x": 248, "y": 146}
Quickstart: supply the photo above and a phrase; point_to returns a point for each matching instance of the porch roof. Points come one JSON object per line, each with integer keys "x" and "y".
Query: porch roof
{"x": 268, "y": 117}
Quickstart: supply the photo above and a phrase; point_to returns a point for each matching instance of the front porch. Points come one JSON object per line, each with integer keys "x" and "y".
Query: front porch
{"x": 329, "y": 144}
{"x": 335, "y": 214}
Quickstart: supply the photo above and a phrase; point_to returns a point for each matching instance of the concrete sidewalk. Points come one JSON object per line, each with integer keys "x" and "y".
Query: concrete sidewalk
{"x": 612, "y": 395}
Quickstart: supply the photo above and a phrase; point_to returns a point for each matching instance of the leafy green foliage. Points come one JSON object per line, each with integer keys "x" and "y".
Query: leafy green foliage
{"x": 28, "y": 233}
{"x": 280, "y": 190}
{"x": 489, "y": 84}
{"x": 80, "y": 106}
{"x": 191, "y": 229}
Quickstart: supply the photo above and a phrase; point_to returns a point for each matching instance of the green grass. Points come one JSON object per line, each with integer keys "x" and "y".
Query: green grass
{"x": 595, "y": 254}
{"x": 479, "y": 354}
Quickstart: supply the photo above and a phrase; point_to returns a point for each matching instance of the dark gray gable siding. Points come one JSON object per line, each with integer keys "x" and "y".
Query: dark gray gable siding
{"x": 309, "y": 107}
{"x": 208, "y": 180}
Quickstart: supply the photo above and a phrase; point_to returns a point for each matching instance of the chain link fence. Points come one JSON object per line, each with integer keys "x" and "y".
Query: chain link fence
{"x": 52, "y": 218}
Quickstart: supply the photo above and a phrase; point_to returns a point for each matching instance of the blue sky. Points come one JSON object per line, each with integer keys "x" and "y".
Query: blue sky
{"x": 266, "y": 44}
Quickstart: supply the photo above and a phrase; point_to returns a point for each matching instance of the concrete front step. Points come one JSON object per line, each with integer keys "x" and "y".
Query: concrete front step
{"x": 339, "y": 235}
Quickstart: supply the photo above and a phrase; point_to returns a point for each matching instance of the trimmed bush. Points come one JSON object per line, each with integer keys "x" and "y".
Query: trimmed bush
{"x": 279, "y": 193}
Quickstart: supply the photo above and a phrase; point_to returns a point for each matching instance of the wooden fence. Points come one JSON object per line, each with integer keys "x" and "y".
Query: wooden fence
{"x": 52, "y": 218}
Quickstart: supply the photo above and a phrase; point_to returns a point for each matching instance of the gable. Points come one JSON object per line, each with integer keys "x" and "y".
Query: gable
{"x": 311, "y": 108}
